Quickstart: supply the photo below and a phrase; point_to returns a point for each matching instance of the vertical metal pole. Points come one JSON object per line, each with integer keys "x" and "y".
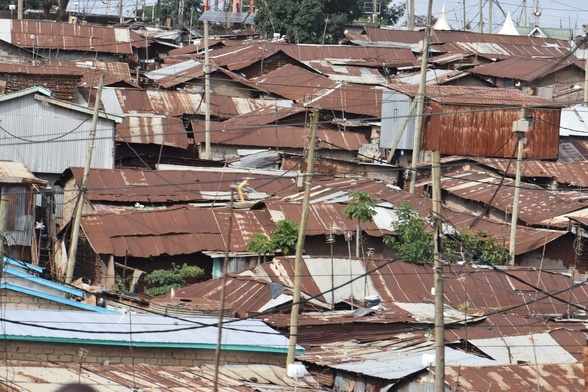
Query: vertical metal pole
{"x": 438, "y": 275}
{"x": 300, "y": 243}
{"x": 73, "y": 247}
{"x": 420, "y": 99}
{"x": 207, "y": 154}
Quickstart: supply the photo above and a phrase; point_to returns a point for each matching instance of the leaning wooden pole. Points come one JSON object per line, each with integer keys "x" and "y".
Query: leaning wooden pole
{"x": 300, "y": 243}
{"x": 75, "y": 234}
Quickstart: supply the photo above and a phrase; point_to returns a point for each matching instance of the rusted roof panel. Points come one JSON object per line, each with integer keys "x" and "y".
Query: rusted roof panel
{"x": 565, "y": 173}
{"x": 278, "y": 136}
{"x": 28, "y": 69}
{"x": 351, "y": 98}
{"x": 165, "y": 186}
{"x": 172, "y": 231}
{"x": 264, "y": 116}
{"x": 17, "y": 173}
{"x": 35, "y": 377}
{"x": 473, "y": 95}
{"x": 525, "y": 69}
{"x": 167, "y": 131}
{"x": 40, "y": 34}
{"x": 536, "y": 206}
{"x": 528, "y": 377}
{"x": 344, "y": 72}
{"x": 135, "y": 101}
{"x": 193, "y": 48}
{"x": 470, "y": 42}
{"x": 302, "y": 86}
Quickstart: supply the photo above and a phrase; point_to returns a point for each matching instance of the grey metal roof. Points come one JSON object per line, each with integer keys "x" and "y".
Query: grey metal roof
{"x": 574, "y": 121}
{"x": 139, "y": 330}
{"x": 395, "y": 366}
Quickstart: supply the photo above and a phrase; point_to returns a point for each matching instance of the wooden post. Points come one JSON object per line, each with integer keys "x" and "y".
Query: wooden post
{"x": 300, "y": 243}
{"x": 438, "y": 275}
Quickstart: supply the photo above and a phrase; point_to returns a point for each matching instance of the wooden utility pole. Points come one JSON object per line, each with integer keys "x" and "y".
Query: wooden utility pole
{"x": 20, "y": 9}
{"x": 481, "y": 11}
{"x": 374, "y": 11}
{"x": 120, "y": 12}
{"x": 465, "y": 19}
{"x": 585, "y": 29}
{"x": 300, "y": 243}
{"x": 4, "y": 201}
{"x": 411, "y": 15}
{"x": 519, "y": 127}
{"x": 490, "y": 3}
{"x": 420, "y": 98}
{"x": 438, "y": 275}
{"x": 207, "y": 153}
{"x": 75, "y": 230}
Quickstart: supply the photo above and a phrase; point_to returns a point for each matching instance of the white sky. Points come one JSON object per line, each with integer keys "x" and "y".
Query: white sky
{"x": 555, "y": 13}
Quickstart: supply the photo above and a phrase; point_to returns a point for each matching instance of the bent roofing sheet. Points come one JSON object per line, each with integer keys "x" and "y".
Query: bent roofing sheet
{"x": 148, "y": 233}
{"x": 17, "y": 173}
{"x": 528, "y": 377}
{"x": 56, "y": 36}
{"x": 143, "y": 330}
{"x": 524, "y": 69}
{"x": 351, "y": 98}
{"x": 131, "y": 101}
{"x": 162, "y": 186}
{"x": 536, "y": 205}
{"x": 265, "y": 116}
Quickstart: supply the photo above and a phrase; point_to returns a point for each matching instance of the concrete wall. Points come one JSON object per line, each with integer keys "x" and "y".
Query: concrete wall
{"x": 100, "y": 354}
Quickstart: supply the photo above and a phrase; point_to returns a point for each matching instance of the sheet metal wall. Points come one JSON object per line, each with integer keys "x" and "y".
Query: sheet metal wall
{"x": 395, "y": 107}
{"x": 487, "y": 132}
{"x": 49, "y": 139}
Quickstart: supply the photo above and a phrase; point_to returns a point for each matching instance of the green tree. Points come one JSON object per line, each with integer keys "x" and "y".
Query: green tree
{"x": 390, "y": 13}
{"x": 362, "y": 208}
{"x": 479, "y": 246}
{"x": 161, "y": 281}
{"x": 260, "y": 245}
{"x": 285, "y": 236}
{"x": 307, "y": 21}
{"x": 411, "y": 242}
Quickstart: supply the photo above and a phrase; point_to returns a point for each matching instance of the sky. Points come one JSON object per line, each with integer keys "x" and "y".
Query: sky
{"x": 555, "y": 13}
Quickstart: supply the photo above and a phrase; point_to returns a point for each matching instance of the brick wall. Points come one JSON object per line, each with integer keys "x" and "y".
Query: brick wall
{"x": 99, "y": 354}
{"x": 16, "y": 300}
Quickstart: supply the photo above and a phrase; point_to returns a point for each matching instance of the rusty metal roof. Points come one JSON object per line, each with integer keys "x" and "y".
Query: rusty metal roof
{"x": 565, "y": 173}
{"x": 341, "y": 71}
{"x": 147, "y": 233}
{"x": 302, "y": 86}
{"x": 59, "y": 36}
{"x": 17, "y": 173}
{"x": 265, "y": 116}
{"x": 351, "y": 98}
{"x": 30, "y": 69}
{"x": 280, "y": 136}
{"x": 527, "y": 377}
{"x": 473, "y": 95}
{"x": 471, "y": 42}
{"x": 525, "y": 69}
{"x": 159, "y": 130}
{"x": 169, "y": 186}
{"x": 36, "y": 377}
{"x": 135, "y": 101}
{"x": 537, "y": 206}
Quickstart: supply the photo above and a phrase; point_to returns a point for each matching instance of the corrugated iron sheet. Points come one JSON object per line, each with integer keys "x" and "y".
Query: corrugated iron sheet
{"x": 280, "y": 136}
{"x": 42, "y": 377}
{"x": 525, "y": 69}
{"x": 471, "y": 42}
{"x": 41, "y": 34}
{"x": 528, "y": 377}
{"x": 266, "y": 116}
{"x": 140, "y": 329}
{"x": 17, "y": 173}
{"x": 168, "y": 131}
{"x": 302, "y": 86}
{"x": 172, "y": 231}
{"x": 351, "y": 98}
{"x": 340, "y": 71}
{"x": 537, "y": 206}
{"x": 163, "y": 186}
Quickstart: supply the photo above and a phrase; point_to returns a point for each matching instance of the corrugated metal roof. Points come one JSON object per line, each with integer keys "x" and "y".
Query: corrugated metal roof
{"x": 528, "y": 377}
{"x": 473, "y": 95}
{"x": 471, "y": 42}
{"x": 43, "y": 377}
{"x": 340, "y": 71}
{"x": 574, "y": 121}
{"x": 139, "y": 329}
{"x": 537, "y": 206}
{"x": 164, "y": 186}
{"x": 302, "y": 86}
{"x": 167, "y": 131}
{"x": 280, "y": 136}
{"x": 147, "y": 233}
{"x": 265, "y": 116}
{"x": 41, "y": 34}
{"x": 534, "y": 348}
{"x": 351, "y": 98}
{"x": 169, "y": 103}
{"x": 547, "y": 32}
{"x": 525, "y": 69}
{"x": 17, "y": 173}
